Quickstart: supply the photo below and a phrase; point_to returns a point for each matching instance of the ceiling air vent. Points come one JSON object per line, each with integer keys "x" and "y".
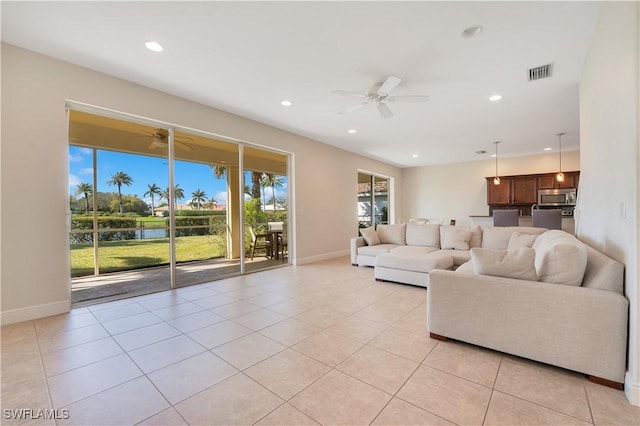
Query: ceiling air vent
{"x": 540, "y": 72}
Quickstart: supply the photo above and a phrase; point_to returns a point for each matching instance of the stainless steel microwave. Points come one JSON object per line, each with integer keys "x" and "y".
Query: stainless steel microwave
{"x": 557, "y": 197}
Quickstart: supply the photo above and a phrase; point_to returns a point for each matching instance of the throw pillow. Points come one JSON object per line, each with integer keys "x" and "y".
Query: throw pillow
{"x": 370, "y": 236}
{"x": 520, "y": 240}
{"x": 423, "y": 235}
{"x": 517, "y": 263}
{"x": 560, "y": 258}
{"x": 454, "y": 238}
{"x": 393, "y": 234}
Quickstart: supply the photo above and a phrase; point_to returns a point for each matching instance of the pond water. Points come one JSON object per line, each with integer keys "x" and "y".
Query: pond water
{"x": 145, "y": 234}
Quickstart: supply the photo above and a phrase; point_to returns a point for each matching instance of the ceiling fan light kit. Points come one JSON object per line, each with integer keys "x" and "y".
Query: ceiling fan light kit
{"x": 379, "y": 94}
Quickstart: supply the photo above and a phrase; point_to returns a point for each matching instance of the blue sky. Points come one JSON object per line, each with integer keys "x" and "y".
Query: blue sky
{"x": 145, "y": 170}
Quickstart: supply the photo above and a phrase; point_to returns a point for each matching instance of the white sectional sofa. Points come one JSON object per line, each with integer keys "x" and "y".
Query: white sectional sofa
{"x": 542, "y": 295}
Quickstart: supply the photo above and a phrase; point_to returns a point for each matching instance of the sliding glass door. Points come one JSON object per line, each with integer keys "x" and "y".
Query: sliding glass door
{"x": 373, "y": 199}
{"x": 266, "y": 231}
{"x": 154, "y": 207}
{"x": 118, "y": 244}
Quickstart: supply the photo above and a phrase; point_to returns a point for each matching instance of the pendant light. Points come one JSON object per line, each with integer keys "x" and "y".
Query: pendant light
{"x": 560, "y": 175}
{"x": 496, "y": 179}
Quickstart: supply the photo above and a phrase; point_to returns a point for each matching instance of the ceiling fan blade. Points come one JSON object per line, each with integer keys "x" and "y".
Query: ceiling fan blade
{"x": 385, "y": 112}
{"x": 407, "y": 98}
{"x": 346, "y": 92}
{"x": 183, "y": 146}
{"x": 353, "y": 108}
{"x": 389, "y": 84}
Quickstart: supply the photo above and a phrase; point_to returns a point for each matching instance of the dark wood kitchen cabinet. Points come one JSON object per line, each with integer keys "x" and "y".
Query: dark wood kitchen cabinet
{"x": 549, "y": 181}
{"x": 524, "y": 190}
{"x": 499, "y": 194}
{"x": 512, "y": 190}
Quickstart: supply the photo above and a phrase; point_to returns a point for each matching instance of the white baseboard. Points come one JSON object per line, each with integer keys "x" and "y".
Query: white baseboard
{"x": 34, "y": 312}
{"x": 321, "y": 257}
{"x": 632, "y": 390}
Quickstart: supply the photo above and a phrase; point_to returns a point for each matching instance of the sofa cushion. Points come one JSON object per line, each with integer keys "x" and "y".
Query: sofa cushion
{"x": 414, "y": 262}
{"x": 459, "y": 256}
{"x": 476, "y": 236}
{"x": 497, "y": 237}
{"x": 466, "y": 267}
{"x": 560, "y": 258}
{"x": 520, "y": 240}
{"x": 454, "y": 238}
{"x": 376, "y": 250}
{"x": 370, "y": 236}
{"x": 393, "y": 234}
{"x": 413, "y": 250}
{"x": 423, "y": 235}
{"x": 602, "y": 272}
{"x": 517, "y": 263}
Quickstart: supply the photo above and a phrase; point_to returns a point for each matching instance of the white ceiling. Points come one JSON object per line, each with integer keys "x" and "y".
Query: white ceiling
{"x": 245, "y": 57}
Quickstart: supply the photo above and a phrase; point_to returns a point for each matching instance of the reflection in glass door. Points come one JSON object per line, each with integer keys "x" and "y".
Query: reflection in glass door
{"x": 373, "y": 200}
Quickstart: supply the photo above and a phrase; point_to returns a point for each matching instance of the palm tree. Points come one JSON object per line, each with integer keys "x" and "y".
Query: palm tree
{"x": 211, "y": 203}
{"x": 152, "y": 191}
{"x": 118, "y": 179}
{"x": 274, "y": 181}
{"x": 265, "y": 181}
{"x": 178, "y": 193}
{"x": 220, "y": 171}
{"x": 86, "y": 189}
{"x": 198, "y": 197}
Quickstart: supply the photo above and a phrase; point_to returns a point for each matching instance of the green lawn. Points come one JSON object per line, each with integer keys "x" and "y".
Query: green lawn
{"x": 134, "y": 254}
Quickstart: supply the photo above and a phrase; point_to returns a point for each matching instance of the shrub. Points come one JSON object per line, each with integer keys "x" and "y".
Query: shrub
{"x": 104, "y": 222}
{"x": 191, "y": 222}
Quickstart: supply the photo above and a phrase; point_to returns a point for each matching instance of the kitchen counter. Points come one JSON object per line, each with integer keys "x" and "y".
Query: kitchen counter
{"x": 568, "y": 222}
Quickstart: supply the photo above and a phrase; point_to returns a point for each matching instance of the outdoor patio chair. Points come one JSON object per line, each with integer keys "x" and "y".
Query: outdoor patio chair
{"x": 275, "y": 226}
{"x": 282, "y": 239}
{"x": 260, "y": 241}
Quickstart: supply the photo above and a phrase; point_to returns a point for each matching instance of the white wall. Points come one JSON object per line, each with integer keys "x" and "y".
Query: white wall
{"x": 456, "y": 191}
{"x": 609, "y": 137}
{"x": 34, "y": 173}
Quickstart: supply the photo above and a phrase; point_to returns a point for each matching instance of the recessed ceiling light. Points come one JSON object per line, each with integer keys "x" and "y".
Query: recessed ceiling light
{"x": 415, "y": 156}
{"x": 352, "y": 131}
{"x": 472, "y": 31}
{"x": 154, "y": 46}
{"x": 548, "y": 149}
{"x": 286, "y": 102}
{"x": 493, "y": 155}
{"x": 494, "y": 98}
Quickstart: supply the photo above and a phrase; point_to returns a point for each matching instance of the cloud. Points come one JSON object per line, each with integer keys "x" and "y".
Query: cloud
{"x": 221, "y": 197}
{"x": 73, "y": 182}
{"x": 85, "y": 150}
{"x": 86, "y": 171}
{"x": 75, "y": 158}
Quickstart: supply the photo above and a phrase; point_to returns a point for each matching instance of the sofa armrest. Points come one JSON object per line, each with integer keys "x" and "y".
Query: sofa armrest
{"x": 355, "y": 243}
{"x": 577, "y": 328}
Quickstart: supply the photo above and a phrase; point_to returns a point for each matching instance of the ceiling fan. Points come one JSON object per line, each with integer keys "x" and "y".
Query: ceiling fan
{"x": 379, "y": 94}
{"x": 160, "y": 139}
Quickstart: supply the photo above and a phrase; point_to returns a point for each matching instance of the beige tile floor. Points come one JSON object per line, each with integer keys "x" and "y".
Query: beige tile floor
{"x": 314, "y": 344}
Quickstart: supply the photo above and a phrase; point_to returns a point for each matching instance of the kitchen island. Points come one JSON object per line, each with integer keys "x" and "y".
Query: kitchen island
{"x": 568, "y": 222}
